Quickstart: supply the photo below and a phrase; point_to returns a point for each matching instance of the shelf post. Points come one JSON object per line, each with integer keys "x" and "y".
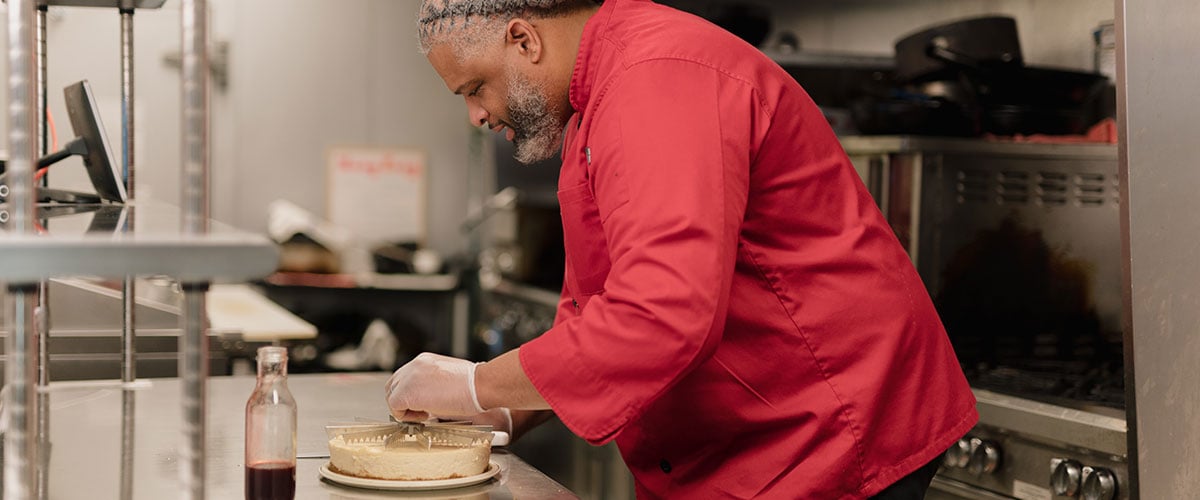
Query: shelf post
{"x": 42, "y": 316}
{"x": 193, "y": 356}
{"x": 129, "y": 289}
{"x": 20, "y": 405}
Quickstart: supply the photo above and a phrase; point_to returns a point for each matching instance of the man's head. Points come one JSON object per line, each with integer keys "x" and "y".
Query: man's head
{"x": 511, "y": 60}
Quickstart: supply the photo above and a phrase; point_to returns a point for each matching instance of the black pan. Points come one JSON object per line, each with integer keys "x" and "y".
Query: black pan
{"x": 938, "y": 53}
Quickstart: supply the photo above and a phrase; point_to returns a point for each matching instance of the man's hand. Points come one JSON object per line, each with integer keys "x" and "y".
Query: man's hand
{"x": 438, "y": 385}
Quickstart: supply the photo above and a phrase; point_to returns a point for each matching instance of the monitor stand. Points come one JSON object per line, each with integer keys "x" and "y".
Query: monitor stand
{"x": 51, "y": 195}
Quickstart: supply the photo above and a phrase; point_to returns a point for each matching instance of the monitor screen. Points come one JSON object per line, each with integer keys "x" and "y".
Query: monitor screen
{"x": 101, "y": 166}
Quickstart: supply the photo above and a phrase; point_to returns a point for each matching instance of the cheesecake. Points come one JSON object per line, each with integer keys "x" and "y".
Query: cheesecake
{"x": 407, "y": 461}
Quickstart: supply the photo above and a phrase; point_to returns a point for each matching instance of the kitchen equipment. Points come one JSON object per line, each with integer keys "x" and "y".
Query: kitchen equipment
{"x": 1014, "y": 119}
{"x": 834, "y": 80}
{"x": 430, "y": 433}
{"x": 1019, "y": 245}
{"x": 524, "y": 234}
{"x": 977, "y": 65}
{"x": 914, "y": 113}
{"x": 1036, "y": 86}
{"x": 937, "y": 53}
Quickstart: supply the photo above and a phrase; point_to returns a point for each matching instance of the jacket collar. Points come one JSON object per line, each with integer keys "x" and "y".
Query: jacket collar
{"x": 584, "y": 75}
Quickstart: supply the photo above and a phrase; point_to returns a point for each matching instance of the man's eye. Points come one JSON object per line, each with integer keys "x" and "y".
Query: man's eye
{"x": 474, "y": 92}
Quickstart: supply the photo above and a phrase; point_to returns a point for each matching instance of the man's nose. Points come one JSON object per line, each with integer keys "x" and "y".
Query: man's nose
{"x": 477, "y": 114}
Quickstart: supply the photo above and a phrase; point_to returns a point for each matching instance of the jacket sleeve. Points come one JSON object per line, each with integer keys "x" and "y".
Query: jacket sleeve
{"x": 670, "y": 148}
{"x": 563, "y": 311}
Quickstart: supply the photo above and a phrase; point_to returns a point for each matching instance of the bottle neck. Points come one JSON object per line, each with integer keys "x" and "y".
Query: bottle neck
{"x": 272, "y": 369}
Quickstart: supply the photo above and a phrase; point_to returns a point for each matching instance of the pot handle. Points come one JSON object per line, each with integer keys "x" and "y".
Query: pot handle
{"x": 939, "y": 48}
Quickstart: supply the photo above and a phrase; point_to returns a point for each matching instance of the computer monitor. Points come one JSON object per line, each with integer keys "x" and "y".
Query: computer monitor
{"x": 101, "y": 166}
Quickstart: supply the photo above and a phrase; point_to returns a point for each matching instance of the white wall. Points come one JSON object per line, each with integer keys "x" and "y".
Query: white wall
{"x": 305, "y": 75}
{"x": 310, "y": 76}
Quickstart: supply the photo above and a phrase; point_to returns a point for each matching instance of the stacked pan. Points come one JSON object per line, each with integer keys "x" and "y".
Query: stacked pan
{"x": 969, "y": 78}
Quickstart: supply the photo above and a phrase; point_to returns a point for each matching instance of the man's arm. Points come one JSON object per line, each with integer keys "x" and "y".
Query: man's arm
{"x": 502, "y": 382}
{"x": 524, "y": 421}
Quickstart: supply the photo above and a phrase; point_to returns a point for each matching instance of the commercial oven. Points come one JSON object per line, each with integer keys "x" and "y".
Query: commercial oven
{"x": 1019, "y": 247}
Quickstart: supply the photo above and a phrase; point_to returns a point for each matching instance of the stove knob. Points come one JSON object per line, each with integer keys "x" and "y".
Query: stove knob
{"x": 985, "y": 457}
{"x": 958, "y": 455}
{"x": 1099, "y": 484}
{"x": 1065, "y": 478}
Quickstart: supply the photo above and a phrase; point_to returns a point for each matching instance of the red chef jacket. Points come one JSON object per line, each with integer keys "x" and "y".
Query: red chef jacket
{"x": 736, "y": 312}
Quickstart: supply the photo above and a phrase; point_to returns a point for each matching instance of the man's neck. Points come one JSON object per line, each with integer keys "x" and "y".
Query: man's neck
{"x": 566, "y": 32}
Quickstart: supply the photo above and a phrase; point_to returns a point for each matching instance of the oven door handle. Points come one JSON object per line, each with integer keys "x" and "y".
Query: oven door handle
{"x": 957, "y": 489}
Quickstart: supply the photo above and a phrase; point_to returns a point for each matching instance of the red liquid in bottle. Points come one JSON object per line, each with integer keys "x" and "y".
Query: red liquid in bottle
{"x": 271, "y": 481}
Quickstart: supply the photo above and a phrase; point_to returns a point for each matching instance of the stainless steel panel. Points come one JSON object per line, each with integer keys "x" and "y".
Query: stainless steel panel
{"x": 1070, "y": 204}
{"x": 1104, "y": 434}
{"x": 86, "y": 339}
{"x": 83, "y": 242}
{"x": 866, "y": 145}
{"x": 84, "y": 462}
{"x": 91, "y": 306}
{"x": 1158, "y": 60}
{"x": 218, "y": 257}
{"x": 1019, "y": 246}
{"x": 949, "y": 489}
{"x": 1026, "y": 465}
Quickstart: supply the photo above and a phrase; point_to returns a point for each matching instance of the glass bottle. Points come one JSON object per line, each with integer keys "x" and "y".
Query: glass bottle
{"x": 271, "y": 431}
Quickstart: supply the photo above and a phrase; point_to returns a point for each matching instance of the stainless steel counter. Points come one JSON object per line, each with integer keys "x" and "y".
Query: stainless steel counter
{"x": 85, "y": 449}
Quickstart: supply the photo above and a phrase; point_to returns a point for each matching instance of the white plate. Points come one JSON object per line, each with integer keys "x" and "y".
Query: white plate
{"x": 398, "y": 485}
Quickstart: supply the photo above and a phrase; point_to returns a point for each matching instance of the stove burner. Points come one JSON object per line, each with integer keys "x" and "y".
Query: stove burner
{"x": 1023, "y": 319}
{"x": 1055, "y": 382}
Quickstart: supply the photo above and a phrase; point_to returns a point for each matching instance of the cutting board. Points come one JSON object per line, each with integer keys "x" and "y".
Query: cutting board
{"x": 241, "y": 309}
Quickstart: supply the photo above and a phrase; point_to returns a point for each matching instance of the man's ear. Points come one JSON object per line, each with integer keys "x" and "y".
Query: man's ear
{"x": 522, "y": 35}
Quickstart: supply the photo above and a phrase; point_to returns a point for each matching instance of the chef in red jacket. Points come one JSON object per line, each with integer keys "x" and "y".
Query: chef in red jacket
{"x": 736, "y": 313}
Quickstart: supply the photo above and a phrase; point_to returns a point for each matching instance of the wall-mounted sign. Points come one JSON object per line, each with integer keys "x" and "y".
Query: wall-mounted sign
{"x": 378, "y": 193}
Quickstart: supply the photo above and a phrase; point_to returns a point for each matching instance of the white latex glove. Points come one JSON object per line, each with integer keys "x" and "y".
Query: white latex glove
{"x": 499, "y": 418}
{"x": 434, "y": 384}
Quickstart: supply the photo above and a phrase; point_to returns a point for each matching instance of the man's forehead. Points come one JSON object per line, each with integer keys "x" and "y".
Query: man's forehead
{"x": 457, "y": 71}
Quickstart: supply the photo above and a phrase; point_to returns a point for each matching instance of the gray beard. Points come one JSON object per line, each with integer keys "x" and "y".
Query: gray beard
{"x": 538, "y": 132}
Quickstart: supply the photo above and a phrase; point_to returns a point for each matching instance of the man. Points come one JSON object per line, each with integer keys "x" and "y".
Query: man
{"x": 736, "y": 313}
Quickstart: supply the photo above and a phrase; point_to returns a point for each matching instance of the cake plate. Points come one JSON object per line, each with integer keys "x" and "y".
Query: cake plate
{"x": 400, "y": 485}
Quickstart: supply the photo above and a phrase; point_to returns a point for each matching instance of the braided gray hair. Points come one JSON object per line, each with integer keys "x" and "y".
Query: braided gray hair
{"x": 465, "y": 23}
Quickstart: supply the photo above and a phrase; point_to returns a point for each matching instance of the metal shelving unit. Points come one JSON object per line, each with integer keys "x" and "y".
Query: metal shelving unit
{"x": 180, "y": 243}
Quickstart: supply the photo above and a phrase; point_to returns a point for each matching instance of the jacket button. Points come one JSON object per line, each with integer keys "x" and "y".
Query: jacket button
{"x": 575, "y": 303}
{"x": 665, "y": 466}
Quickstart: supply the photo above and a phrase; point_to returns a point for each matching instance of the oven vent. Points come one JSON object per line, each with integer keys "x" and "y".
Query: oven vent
{"x": 1013, "y": 188}
{"x": 1096, "y": 189}
{"x": 1040, "y": 188}
{"x": 1054, "y": 188}
{"x": 974, "y": 186}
